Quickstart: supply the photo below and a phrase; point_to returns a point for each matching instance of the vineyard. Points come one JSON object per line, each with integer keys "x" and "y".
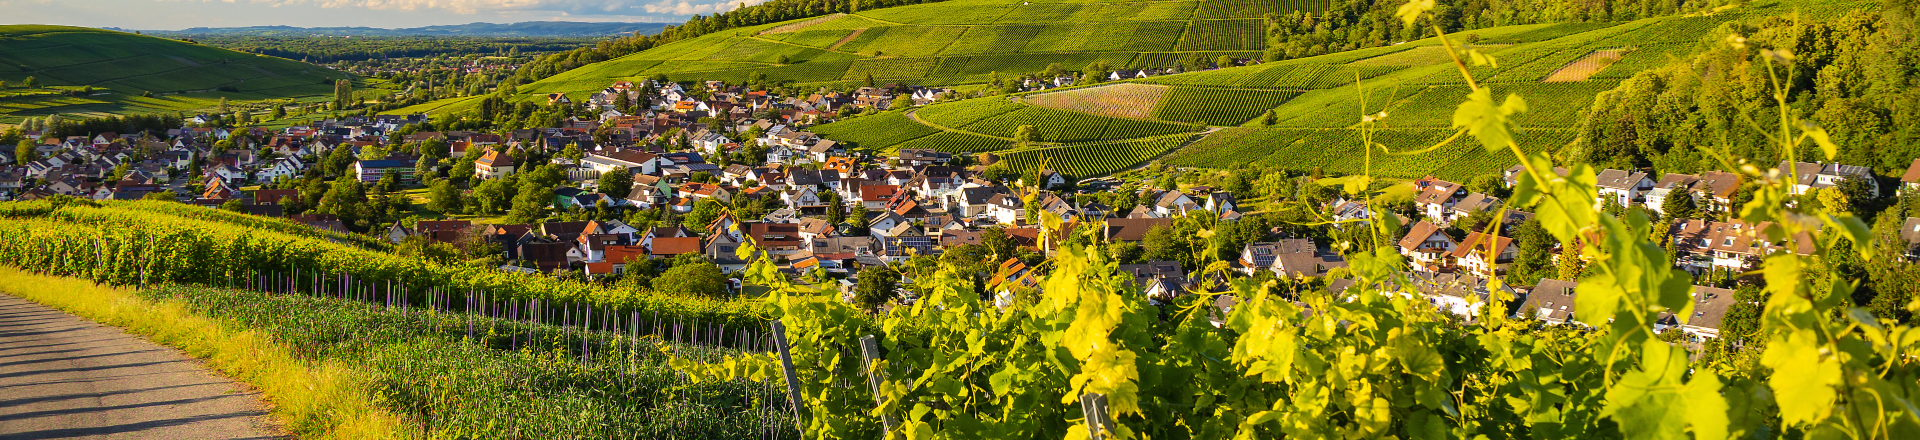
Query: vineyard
{"x": 1123, "y": 100}
{"x": 1204, "y": 106}
{"x": 127, "y": 245}
{"x": 1339, "y": 151}
{"x": 875, "y": 132}
{"x": 1093, "y": 159}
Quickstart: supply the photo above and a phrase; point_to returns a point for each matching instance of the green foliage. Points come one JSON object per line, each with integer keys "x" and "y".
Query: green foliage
{"x": 877, "y": 287}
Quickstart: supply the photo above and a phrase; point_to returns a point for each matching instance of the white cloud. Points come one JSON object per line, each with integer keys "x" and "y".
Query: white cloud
{"x": 684, "y": 7}
{"x": 588, "y": 7}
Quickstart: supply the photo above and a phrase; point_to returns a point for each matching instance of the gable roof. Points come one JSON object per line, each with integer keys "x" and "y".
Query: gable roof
{"x": 1419, "y": 234}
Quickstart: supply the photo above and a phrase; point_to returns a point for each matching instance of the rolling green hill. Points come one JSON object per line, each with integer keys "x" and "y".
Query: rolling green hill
{"x": 181, "y": 75}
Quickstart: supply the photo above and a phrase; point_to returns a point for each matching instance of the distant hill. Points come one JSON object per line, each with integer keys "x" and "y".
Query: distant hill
{"x": 182, "y": 75}
{"x": 522, "y": 29}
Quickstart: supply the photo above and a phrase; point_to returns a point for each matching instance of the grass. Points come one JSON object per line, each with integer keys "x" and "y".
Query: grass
{"x": 184, "y": 77}
{"x": 322, "y": 399}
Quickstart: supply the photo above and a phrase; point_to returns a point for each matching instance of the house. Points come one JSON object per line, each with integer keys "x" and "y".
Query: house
{"x": 550, "y": 257}
{"x": 1162, "y": 280}
{"x": 1625, "y": 188}
{"x": 1461, "y": 294}
{"x": 1427, "y": 245}
{"x": 1551, "y": 301}
{"x": 1911, "y": 179}
{"x": 775, "y": 238}
{"x": 1702, "y": 245}
{"x": 1657, "y": 197}
{"x": 638, "y": 162}
{"x": 876, "y": 197}
{"x": 1436, "y": 197}
{"x": 273, "y": 196}
{"x": 1472, "y": 203}
{"x": 493, "y": 165}
{"x": 288, "y": 167}
{"x": 1710, "y": 306}
{"x": 1910, "y": 233}
{"x": 1512, "y": 174}
{"x": 1827, "y": 175}
{"x": 1714, "y": 191}
{"x": 1472, "y": 253}
{"x": 566, "y": 232}
{"x": 1287, "y": 258}
{"x": 913, "y": 157}
{"x": 668, "y": 247}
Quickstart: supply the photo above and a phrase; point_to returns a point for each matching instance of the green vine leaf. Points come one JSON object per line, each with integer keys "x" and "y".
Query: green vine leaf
{"x": 1491, "y": 123}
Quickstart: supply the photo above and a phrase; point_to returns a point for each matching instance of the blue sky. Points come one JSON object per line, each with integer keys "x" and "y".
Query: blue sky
{"x": 179, "y": 14}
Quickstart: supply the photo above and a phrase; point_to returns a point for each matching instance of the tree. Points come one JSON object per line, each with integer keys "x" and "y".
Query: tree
{"x": 901, "y": 102}
{"x": 1570, "y": 264}
{"x": 572, "y": 152}
{"x": 25, "y": 151}
{"x": 492, "y": 195}
{"x": 998, "y": 245}
{"x": 1269, "y": 118}
{"x": 1162, "y": 245}
{"x": 878, "y": 285}
{"x": 443, "y": 197}
{"x": 1224, "y": 61}
{"x": 1536, "y": 247}
{"x": 423, "y": 169}
{"x": 222, "y": 109}
{"x": 1026, "y": 134}
{"x": 30, "y": 82}
{"x": 1679, "y": 205}
{"x": 234, "y": 205}
{"x": 165, "y": 196}
{"x": 692, "y": 280}
{"x": 1489, "y": 184}
{"x": 1834, "y": 200}
{"x": 704, "y": 212}
{"x": 616, "y": 183}
{"x": 530, "y": 203}
{"x": 342, "y": 93}
{"x": 342, "y": 198}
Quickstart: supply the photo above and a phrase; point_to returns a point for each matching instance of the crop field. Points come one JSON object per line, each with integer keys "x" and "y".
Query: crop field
{"x": 182, "y": 75}
{"x": 1060, "y": 126}
{"x": 875, "y": 132}
{"x": 890, "y": 68}
{"x": 801, "y": 25}
{"x": 957, "y": 142}
{"x": 962, "y": 113}
{"x": 1585, "y": 67}
{"x": 1093, "y": 159}
{"x": 1422, "y": 56}
{"x": 1123, "y": 100}
{"x": 1211, "y": 9}
{"x": 1207, "y": 106}
{"x": 1224, "y": 35}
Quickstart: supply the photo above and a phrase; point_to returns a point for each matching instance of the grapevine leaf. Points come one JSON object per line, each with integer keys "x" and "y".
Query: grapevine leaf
{"x": 1706, "y": 407}
{"x": 1481, "y": 58}
{"x": 1645, "y": 401}
{"x": 1802, "y": 377}
{"x": 1411, "y": 11}
{"x": 1819, "y": 136}
{"x": 1491, "y": 123}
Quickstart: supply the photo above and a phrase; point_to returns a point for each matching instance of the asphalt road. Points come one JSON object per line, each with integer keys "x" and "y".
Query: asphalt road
{"x": 63, "y": 377}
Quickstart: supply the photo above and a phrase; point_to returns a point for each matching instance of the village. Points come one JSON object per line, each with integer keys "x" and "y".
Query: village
{"x": 702, "y": 177}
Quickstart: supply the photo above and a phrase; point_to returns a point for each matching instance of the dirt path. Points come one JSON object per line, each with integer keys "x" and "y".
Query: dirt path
{"x": 843, "y": 41}
{"x": 69, "y": 378}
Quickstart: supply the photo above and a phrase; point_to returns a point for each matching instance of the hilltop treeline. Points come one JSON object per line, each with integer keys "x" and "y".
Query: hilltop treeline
{"x": 1852, "y": 75}
{"x": 332, "y": 49}
{"x": 1356, "y": 24}
{"x": 773, "y": 11}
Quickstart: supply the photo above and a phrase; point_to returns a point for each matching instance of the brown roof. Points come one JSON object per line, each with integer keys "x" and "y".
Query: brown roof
{"x": 1719, "y": 184}
{"x": 1913, "y": 173}
{"x": 431, "y": 226}
{"x": 674, "y": 246}
{"x": 1419, "y": 234}
{"x": 1710, "y": 304}
{"x": 1134, "y": 229}
{"x": 1477, "y": 243}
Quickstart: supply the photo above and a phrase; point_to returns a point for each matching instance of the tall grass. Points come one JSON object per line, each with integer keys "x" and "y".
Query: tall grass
{"x": 316, "y": 399}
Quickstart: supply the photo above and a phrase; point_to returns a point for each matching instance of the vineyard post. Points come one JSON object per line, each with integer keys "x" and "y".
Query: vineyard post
{"x": 793, "y": 383}
{"x": 869, "y": 351}
{"x": 1094, "y": 407}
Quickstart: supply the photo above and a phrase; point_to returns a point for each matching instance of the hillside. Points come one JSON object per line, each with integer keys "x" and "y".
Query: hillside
{"x": 182, "y": 75}
{"x": 1559, "y": 69}
{"x": 950, "y": 42}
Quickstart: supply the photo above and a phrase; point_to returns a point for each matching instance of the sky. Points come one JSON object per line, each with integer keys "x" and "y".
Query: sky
{"x": 181, "y": 14}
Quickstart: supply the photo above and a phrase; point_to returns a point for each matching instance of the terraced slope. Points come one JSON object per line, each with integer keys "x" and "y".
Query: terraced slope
{"x": 1316, "y": 104}
{"x": 949, "y": 42}
{"x": 181, "y": 75}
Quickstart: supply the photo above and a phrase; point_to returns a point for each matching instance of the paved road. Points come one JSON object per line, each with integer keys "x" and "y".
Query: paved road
{"x": 63, "y": 377}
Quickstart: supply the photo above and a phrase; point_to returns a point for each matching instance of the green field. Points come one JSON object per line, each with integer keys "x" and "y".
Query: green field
{"x": 182, "y": 76}
{"x": 948, "y": 43}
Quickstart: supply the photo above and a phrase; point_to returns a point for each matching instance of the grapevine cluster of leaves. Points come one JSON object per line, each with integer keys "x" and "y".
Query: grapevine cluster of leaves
{"x": 1378, "y": 360}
